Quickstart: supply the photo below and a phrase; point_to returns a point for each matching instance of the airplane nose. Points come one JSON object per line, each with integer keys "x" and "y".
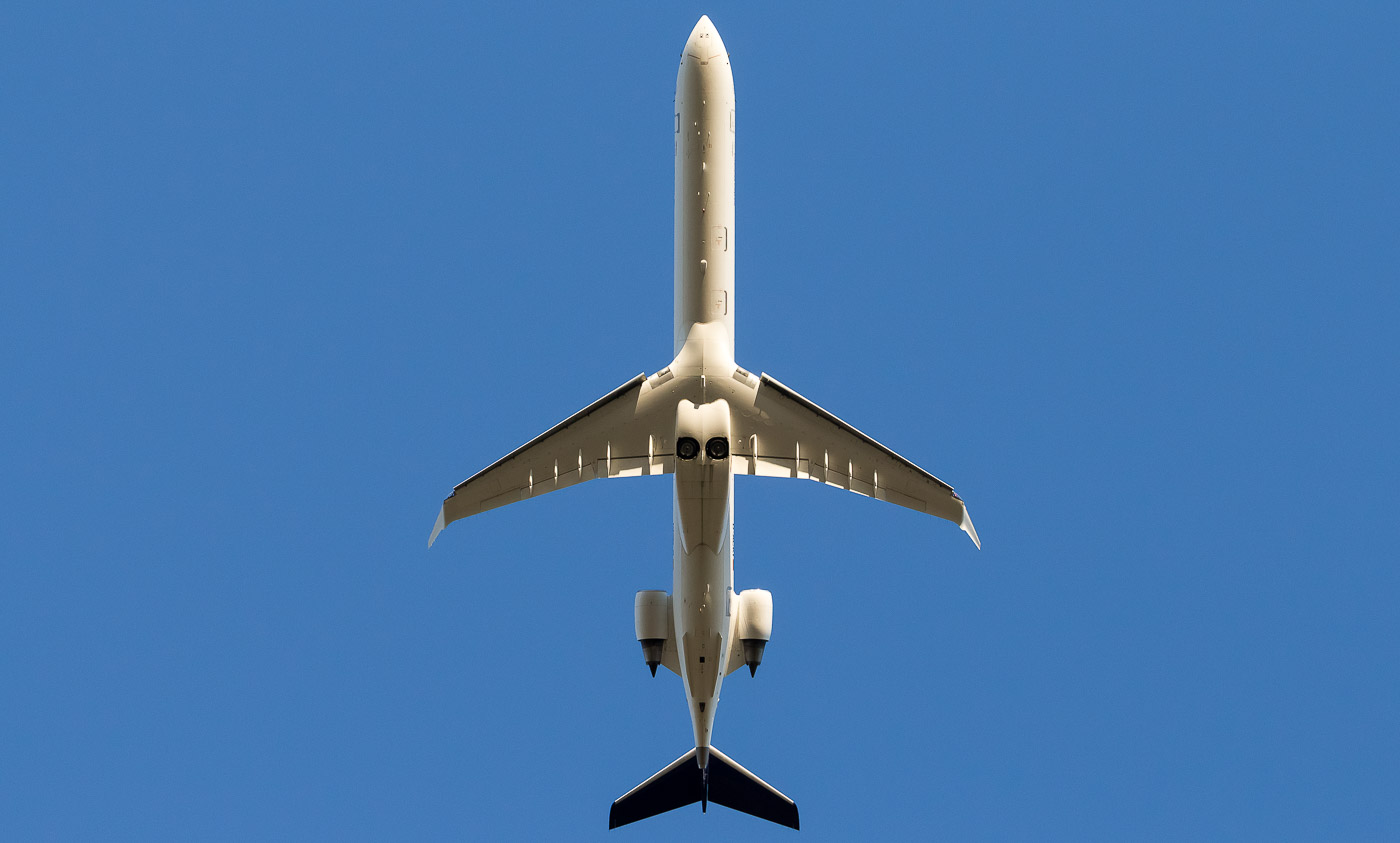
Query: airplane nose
{"x": 704, "y": 42}
{"x": 703, "y": 28}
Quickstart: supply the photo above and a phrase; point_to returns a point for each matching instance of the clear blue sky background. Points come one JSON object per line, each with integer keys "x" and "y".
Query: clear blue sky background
{"x": 273, "y": 279}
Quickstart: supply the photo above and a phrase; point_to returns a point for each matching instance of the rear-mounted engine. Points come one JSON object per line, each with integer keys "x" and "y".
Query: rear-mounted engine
{"x": 652, "y": 614}
{"x": 755, "y": 624}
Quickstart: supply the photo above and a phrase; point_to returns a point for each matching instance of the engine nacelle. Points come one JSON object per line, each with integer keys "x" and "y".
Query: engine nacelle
{"x": 652, "y": 614}
{"x": 755, "y": 625}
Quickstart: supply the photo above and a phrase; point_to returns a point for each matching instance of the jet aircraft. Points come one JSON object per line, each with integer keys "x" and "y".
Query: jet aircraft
{"x": 704, "y": 419}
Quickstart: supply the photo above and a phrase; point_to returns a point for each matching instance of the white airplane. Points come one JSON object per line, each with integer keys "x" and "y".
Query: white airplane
{"x": 704, "y": 419}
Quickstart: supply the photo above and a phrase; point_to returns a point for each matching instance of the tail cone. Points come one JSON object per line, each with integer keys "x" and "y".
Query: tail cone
{"x": 651, "y": 649}
{"x": 753, "y": 653}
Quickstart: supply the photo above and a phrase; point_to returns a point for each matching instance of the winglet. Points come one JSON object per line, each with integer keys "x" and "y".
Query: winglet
{"x": 966, "y": 526}
{"x": 437, "y": 528}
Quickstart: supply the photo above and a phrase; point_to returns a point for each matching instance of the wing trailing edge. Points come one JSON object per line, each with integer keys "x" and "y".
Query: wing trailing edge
{"x": 622, "y": 434}
{"x": 783, "y": 434}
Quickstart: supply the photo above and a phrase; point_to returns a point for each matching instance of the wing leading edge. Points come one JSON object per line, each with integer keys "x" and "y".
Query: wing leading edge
{"x": 776, "y": 433}
{"x": 612, "y": 437}
{"x": 786, "y": 435}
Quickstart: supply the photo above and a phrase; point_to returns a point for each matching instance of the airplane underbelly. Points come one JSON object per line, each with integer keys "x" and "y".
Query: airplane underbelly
{"x": 704, "y": 563}
{"x": 704, "y": 212}
{"x": 703, "y": 607}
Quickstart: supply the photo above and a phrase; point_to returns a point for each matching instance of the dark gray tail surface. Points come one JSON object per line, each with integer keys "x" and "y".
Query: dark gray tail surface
{"x": 682, "y": 783}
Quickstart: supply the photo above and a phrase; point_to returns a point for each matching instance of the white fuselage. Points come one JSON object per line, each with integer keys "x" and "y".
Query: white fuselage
{"x": 702, "y": 592}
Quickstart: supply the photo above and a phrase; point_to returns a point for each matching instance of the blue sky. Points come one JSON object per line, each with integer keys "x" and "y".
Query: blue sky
{"x": 274, "y": 278}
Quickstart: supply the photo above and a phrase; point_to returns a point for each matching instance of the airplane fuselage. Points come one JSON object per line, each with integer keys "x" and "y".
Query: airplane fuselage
{"x": 704, "y": 236}
{"x": 702, "y": 591}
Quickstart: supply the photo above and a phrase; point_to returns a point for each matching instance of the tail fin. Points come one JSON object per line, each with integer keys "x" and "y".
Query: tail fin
{"x": 723, "y": 782}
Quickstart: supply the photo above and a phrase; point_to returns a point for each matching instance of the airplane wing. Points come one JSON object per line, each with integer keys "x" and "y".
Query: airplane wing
{"x": 785, "y": 435}
{"x": 612, "y": 437}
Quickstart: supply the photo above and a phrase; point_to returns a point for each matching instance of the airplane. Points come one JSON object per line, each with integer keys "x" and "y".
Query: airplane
{"x": 704, "y": 419}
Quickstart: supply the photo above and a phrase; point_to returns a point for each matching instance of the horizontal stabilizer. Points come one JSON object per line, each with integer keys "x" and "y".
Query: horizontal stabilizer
{"x": 679, "y": 783}
{"x": 734, "y": 787}
{"x": 682, "y": 783}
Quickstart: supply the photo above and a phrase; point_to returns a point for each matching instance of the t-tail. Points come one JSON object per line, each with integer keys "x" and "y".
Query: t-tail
{"x": 721, "y": 781}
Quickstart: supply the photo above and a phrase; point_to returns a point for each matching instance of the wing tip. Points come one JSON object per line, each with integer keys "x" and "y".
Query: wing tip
{"x": 437, "y": 527}
{"x": 966, "y": 526}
